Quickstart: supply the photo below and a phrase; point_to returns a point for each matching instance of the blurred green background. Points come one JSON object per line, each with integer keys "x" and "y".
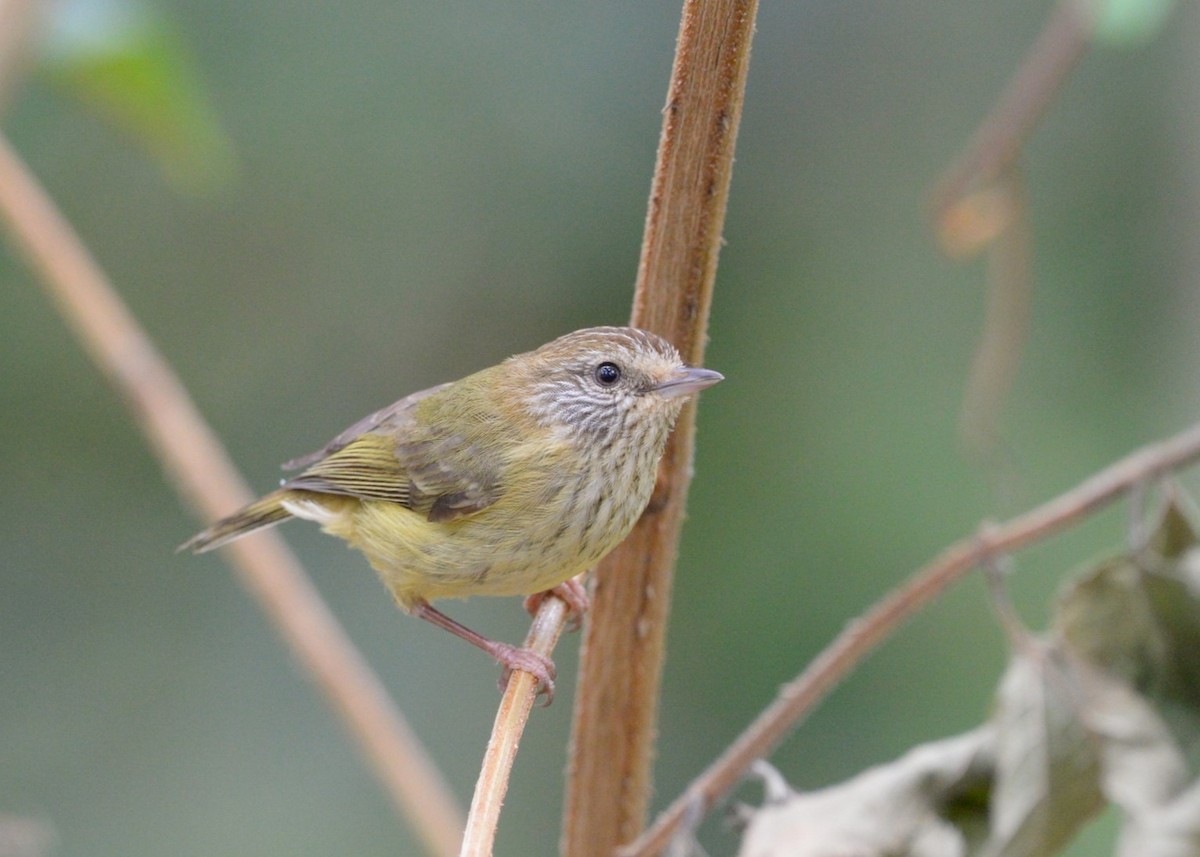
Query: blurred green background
{"x": 419, "y": 190}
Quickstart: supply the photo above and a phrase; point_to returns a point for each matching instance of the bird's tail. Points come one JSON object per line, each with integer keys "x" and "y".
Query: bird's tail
{"x": 261, "y": 513}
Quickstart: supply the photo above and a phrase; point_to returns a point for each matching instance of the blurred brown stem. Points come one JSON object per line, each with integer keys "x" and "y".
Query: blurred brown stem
{"x": 1005, "y": 326}
{"x": 797, "y": 698}
{"x": 203, "y": 474}
{"x": 616, "y": 708}
{"x": 18, "y": 21}
{"x": 999, "y": 138}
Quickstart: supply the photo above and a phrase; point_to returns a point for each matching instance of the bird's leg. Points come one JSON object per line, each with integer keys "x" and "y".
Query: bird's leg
{"x": 570, "y": 592}
{"x": 510, "y": 657}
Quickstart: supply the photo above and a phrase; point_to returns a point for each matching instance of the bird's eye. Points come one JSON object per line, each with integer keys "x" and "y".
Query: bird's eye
{"x": 607, "y": 374}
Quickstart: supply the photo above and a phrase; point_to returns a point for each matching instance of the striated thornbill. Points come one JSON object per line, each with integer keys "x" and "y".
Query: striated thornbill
{"x": 507, "y": 482}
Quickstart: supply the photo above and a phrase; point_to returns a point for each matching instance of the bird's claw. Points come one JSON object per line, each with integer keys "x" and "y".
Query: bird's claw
{"x": 527, "y": 660}
{"x": 570, "y": 592}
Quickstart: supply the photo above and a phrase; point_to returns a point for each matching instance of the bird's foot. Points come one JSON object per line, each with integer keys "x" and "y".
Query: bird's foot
{"x": 572, "y": 593}
{"x": 510, "y": 657}
{"x": 526, "y": 660}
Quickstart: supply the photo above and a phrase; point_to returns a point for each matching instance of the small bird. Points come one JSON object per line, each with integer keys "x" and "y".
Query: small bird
{"x": 508, "y": 482}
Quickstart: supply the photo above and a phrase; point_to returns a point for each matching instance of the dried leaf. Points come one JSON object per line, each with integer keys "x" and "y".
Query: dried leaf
{"x": 1142, "y": 765}
{"x": 1106, "y": 617}
{"x": 1137, "y": 618}
{"x": 902, "y": 809}
{"x": 1170, "y": 830}
{"x": 1047, "y": 766}
{"x": 1105, "y": 709}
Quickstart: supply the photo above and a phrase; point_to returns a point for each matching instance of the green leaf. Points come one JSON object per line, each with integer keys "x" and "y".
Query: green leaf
{"x": 1130, "y": 23}
{"x": 131, "y": 68}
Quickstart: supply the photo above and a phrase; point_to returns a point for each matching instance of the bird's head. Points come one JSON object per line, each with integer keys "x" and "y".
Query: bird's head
{"x": 606, "y": 382}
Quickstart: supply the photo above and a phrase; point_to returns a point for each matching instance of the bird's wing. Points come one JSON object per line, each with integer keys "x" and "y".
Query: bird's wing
{"x": 392, "y": 456}
{"x": 365, "y": 467}
{"x": 451, "y": 477}
{"x": 387, "y": 418}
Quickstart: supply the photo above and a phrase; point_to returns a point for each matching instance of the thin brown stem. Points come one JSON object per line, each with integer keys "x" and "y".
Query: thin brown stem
{"x": 203, "y": 474}
{"x": 1005, "y": 327}
{"x": 19, "y": 19}
{"x": 510, "y": 722}
{"x": 608, "y": 786}
{"x": 797, "y": 698}
{"x": 1041, "y": 75}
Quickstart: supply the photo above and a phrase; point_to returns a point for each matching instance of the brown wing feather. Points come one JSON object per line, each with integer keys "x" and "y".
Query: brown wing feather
{"x": 451, "y": 477}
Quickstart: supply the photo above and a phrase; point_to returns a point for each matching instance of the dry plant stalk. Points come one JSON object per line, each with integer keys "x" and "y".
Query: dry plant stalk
{"x": 203, "y": 474}
{"x": 616, "y": 706}
{"x": 511, "y": 718}
{"x": 627, "y": 626}
{"x": 861, "y": 636}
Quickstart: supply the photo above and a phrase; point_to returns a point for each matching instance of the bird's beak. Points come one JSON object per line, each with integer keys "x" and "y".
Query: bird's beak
{"x": 687, "y": 380}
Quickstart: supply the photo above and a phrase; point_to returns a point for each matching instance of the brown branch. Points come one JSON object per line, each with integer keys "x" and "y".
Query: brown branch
{"x": 608, "y": 786}
{"x": 1005, "y": 327}
{"x": 673, "y": 294}
{"x": 19, "y": 20}
{"x": 204, "y": 476}
{"x": 860, "y": 637}
{"x": 999, "y": 138}
{"x": 510, "y": 723}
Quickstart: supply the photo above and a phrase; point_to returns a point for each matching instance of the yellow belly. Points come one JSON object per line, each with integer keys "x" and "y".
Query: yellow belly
{"x": 527, "y": 542}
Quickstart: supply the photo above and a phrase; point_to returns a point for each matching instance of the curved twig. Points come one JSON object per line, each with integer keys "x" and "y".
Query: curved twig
{"x": 998, "y": 140}
{"x": 797, "y": 698}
